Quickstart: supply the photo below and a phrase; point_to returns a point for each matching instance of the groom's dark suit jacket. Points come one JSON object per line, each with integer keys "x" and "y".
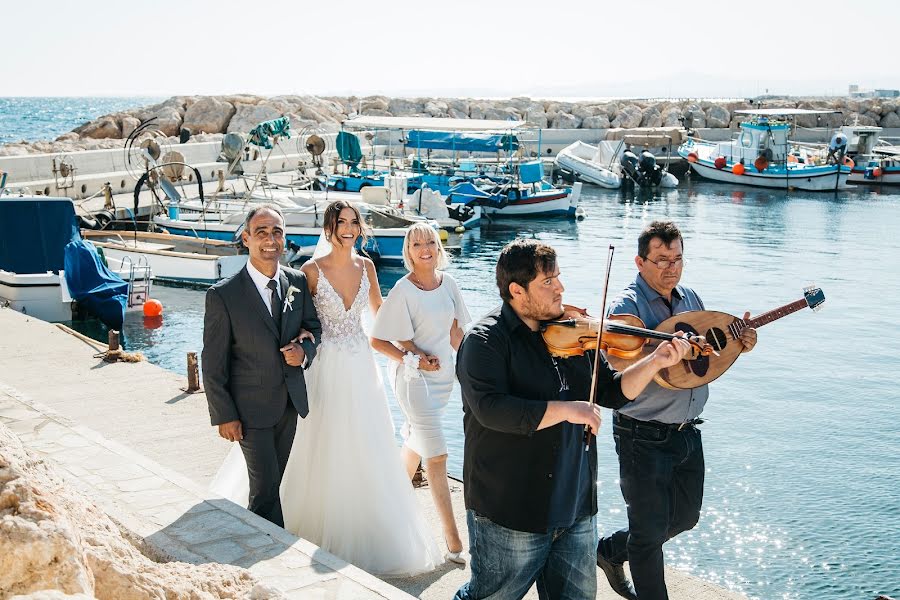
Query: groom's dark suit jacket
{"x": 244, "y": 372}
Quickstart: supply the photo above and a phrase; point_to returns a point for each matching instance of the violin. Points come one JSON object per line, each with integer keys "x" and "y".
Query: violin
{"x": 624, "y": 336}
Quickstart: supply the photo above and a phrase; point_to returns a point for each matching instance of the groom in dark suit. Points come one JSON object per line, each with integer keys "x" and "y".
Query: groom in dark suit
{"x": 254, "y": 357}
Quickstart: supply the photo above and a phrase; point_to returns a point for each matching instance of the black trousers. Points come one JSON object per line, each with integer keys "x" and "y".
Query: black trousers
{"x": 266, "y": 452}
{"x": 661, "y": 472}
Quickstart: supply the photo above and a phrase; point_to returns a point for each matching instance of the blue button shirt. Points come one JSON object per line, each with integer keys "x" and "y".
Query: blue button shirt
{"x": 657, "y": 403}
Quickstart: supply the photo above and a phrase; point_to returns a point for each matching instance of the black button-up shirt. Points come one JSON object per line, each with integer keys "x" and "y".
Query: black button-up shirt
{"x": 507, "y": 376}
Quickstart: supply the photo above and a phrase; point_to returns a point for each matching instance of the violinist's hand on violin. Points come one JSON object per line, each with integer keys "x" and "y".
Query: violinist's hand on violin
{"x": 584, "y": 413}
{"x": 748, "y": 335}
{"x": 669, "y": 354}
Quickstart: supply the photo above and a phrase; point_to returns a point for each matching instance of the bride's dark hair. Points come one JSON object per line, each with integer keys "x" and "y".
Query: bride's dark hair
{"x": 330, "y": 222}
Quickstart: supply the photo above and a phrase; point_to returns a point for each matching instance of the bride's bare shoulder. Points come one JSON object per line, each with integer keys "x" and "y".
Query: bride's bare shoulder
{"x": 311, "y": 270}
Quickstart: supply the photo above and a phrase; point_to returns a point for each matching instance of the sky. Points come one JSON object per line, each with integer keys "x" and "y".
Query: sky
{"x": 454, "y": 48}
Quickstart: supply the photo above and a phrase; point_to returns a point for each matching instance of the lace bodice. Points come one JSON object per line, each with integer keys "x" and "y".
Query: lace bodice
{"x": 339, "y": 325}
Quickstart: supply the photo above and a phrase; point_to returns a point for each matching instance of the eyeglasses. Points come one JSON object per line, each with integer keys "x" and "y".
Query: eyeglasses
{"x": 662, "y": 265}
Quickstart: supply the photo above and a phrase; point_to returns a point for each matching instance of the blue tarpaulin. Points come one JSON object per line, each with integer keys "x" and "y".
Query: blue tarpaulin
{"x": 33, "y": 233}
{"x": 93, "y": 285}
{"x": 462, "y": 142}
{"x": 38, "y": 235}
{"x": 348, "y": 148}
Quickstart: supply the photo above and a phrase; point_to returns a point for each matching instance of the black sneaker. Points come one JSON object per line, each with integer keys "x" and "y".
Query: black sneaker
{"x": 615, "y": 575}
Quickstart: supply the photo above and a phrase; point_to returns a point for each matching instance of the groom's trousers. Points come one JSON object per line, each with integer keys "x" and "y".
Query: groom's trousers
{"x": 266, "y": 452}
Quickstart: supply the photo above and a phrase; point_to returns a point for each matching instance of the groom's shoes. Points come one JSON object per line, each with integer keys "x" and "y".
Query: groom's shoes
{"x": 615, "y": 575}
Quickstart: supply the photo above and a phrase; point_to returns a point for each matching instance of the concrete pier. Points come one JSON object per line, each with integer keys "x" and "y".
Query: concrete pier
{"x": 131, "y": 438}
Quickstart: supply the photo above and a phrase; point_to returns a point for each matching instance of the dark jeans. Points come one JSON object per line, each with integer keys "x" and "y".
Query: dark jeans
{"x": 506, "y": 563}
{"x": 661, "y": 474}
{"x": 266, "y": 452}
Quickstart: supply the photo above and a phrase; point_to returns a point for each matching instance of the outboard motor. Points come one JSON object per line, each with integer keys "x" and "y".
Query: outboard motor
{"x": 629, "y": 162}
{"x": 649, "y": 170}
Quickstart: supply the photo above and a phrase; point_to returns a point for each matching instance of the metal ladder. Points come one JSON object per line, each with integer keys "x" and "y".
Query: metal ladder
{"x": 140, "y": 280}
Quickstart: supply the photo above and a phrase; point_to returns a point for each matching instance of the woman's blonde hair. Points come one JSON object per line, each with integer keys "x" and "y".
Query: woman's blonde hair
{"x": 424, "y": 231}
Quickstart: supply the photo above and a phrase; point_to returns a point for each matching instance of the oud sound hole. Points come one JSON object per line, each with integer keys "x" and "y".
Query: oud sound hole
{"x": 699, "y": 365}
{"x": 716, "y": 337}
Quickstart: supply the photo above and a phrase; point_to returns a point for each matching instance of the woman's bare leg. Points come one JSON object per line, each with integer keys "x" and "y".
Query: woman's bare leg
{"x": 436, "y": 470}
{"x": 411, "y": 461}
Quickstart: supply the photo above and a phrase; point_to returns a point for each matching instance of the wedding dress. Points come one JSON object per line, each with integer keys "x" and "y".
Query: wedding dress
{"x": 345, "y": 487}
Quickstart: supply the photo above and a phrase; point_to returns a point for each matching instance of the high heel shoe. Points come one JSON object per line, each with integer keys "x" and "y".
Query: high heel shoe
{"x": 456, "y": 557}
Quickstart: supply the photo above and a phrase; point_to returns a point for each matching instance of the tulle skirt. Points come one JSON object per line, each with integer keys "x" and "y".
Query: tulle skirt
{"x": 345, "y": 487}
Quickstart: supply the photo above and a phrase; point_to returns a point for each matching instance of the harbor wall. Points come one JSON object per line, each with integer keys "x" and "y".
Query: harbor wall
{"x": 209, "y": 115}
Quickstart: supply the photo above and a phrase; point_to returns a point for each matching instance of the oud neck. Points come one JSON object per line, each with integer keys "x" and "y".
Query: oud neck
{"x": 774, "y": 315}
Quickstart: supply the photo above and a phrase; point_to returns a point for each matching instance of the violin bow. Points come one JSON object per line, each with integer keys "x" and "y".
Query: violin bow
{"x": 587, "y": 429}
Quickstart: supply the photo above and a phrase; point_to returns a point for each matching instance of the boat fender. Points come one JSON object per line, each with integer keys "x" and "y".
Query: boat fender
{"x": 693, "y": 157}
{"x": 720, "y": 162}
{"x": 514, "y": 194}
{"x": 761, "y": 163}
{"x": 340, "y": 185}
{"x": 738, "y": 169}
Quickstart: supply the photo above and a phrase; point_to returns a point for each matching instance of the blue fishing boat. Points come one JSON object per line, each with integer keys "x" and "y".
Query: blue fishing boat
{"x": 762, "y": 155}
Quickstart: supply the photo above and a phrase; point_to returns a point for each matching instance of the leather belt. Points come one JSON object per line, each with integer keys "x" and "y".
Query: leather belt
{"x": 630, "y": 422}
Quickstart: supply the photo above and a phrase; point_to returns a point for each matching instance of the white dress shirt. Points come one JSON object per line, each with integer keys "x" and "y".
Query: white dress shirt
{"x": 262, "y": 281}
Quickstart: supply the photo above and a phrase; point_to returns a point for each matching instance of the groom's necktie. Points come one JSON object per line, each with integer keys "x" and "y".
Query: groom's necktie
{"x": 275, "y": 302}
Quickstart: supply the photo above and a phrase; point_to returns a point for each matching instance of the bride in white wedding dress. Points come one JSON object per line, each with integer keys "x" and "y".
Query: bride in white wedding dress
{"x": 345, "y": 487}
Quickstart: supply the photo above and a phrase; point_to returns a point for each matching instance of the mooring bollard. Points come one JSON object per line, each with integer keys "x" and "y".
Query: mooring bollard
{"x": 193, "y": 371}
{"x": 113, "y": 352}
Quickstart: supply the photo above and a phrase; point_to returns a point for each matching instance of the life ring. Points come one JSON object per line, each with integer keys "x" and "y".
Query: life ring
{"x": 514, "y": 194}
{"x": 340, "y": 185}
{"x": 848, "y": 162}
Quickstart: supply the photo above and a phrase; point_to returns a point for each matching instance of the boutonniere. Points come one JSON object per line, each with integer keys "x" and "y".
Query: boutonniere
{"x": 289, "y": 299}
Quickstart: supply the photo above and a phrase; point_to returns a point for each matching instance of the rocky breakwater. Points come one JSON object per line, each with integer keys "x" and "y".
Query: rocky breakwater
{"x": 209, "y": 117}
{"x": 54, "y": 543}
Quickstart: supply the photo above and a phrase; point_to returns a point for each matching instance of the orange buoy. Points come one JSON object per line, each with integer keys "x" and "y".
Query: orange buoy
{"x": 153, "y": 308}
{"x": 760, "y": 163}
{"x": 848, "y": 162}
{"x": 738, "y": 169}
{"x": 720, "y": 162}
{"x": 792, "y": 158}
{"x": 693, "y": 157}
{"x": 876, "y": 172}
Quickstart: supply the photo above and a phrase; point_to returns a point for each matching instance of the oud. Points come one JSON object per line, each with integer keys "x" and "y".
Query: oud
{"x": 721, "y": 331}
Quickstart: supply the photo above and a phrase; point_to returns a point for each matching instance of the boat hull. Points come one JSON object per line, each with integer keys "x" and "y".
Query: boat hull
{"x": 815, "y": 179}
{"x": 385, "y": 245}
{"x": 588, "y": 171}
{"x": 37, "y": 295}
{"x": 889, "y": 176}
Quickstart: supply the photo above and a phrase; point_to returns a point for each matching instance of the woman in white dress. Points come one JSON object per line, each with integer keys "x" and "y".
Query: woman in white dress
{"x": 345, "y": 487}
{"x": 417, "y": 327}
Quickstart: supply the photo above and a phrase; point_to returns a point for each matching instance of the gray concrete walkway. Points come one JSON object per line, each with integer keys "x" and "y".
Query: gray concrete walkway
{"x": 143, "y": 449}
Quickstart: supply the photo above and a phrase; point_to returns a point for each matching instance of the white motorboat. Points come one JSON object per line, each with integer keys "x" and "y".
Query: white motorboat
{"x": 172, "y": 258}
{"x": 585, "y": 162}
